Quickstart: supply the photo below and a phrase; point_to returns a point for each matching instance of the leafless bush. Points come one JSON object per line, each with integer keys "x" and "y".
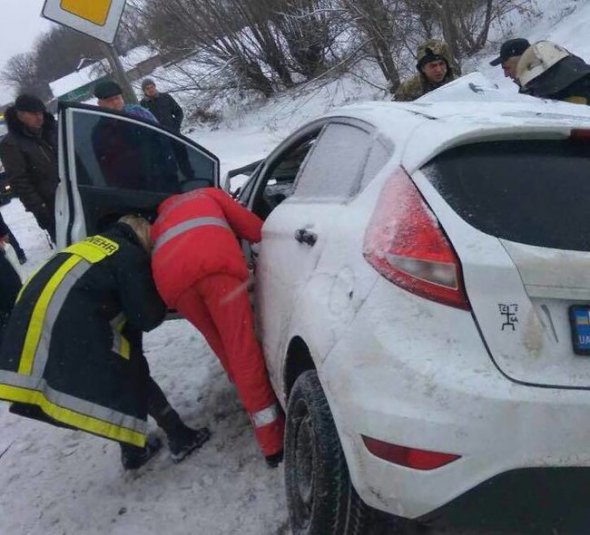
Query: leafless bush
{"x": 20, "y": 73}
{"x": 392, "y": 29}
{"x": 464, "y": 24}
{"x": 265, "y": 45}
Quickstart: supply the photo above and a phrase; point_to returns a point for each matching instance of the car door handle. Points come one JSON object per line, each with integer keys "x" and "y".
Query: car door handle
{"x": 303, "y": 235}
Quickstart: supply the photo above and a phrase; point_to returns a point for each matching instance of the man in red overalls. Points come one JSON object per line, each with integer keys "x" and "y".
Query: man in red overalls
{"x": 200, "y": 271}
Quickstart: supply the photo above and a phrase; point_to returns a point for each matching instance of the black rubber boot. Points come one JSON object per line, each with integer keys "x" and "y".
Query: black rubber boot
{"x": 185, "y": 440}
{"x": 275, "y": 459}
{"x": 134, "y": 457}
{"x": 182, "y": 440}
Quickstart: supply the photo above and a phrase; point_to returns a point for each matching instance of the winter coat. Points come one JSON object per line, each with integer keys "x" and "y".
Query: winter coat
{"x": 419, "y": 85}
{"x": 195, "y": 236}
{"x": 165, "y": 109}
{"x": 567, "y": 80}
{"x": 134, "y": 158}
{"x": 135, "y": 110}
{"x": 31, "y": 165}
{"x": 72, "y": 348}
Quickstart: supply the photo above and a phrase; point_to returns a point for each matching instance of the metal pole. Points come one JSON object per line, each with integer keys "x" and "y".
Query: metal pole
{"x": 119, "y": 72}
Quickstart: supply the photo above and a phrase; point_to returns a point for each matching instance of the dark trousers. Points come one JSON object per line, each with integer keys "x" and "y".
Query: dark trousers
{"x": 161, "y": 411}
{"x": 10, "y": 285}
{"x": 15, "y": 245}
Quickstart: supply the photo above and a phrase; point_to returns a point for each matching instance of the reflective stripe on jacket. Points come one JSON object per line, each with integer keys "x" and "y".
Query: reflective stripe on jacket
{"x": 195, "y": 235}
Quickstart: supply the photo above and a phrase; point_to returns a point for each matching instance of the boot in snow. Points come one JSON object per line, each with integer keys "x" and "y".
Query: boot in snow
{"x": 184, "y": 440}
{"x": 133, "y": 457}
{"x": 275, "y": 459}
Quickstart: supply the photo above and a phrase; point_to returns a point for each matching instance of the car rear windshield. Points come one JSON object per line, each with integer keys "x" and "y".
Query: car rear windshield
{"x": 535, "y": 192}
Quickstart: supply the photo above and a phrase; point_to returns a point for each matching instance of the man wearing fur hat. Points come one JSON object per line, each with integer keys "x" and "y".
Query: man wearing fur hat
{"x": 436, "y": 67}
{"x": 162, "y": 106}
{"x": 29, "y": 155}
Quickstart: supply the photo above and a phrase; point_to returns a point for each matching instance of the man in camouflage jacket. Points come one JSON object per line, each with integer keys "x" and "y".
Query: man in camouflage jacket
{"x": 436, "y": 67}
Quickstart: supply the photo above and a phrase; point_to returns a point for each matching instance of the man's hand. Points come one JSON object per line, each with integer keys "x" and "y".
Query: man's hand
{"x": 3, "y": 240}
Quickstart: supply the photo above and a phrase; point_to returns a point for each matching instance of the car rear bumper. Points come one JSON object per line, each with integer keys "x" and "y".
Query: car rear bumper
{"x": 531, "y": 501}
{"x": 416, "y": 374}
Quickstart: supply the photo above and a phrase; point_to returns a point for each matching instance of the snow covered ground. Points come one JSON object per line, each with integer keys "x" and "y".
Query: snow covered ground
{"x": 58, "y": 482}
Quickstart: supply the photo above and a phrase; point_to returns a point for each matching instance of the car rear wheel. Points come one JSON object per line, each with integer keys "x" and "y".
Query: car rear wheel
{"x": 320, "y": 495}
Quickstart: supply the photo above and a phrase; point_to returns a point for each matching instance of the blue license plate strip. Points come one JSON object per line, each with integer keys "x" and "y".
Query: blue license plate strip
{"x": 580, "y": 327}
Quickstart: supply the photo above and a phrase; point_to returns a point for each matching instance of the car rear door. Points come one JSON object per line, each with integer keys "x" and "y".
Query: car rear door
{"x": 519, "y": 223}
{"x": 112, "y": 164}
{"x": 296, "y": 229}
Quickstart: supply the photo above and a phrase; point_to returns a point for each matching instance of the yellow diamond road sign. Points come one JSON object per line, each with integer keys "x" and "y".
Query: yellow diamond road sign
{"x": 97, "y": 18}
{"x": 96, "y": 11}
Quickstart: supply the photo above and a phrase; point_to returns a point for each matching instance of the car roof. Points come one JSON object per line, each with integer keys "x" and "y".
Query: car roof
{"x": 467, "y": 110}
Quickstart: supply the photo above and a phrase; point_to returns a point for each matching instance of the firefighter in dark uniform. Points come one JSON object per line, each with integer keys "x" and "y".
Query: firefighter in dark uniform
{"x": 72, "y": 352}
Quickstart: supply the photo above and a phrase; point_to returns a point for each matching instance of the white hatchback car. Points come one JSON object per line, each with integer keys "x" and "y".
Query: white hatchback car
{"x": 422, "y": 294}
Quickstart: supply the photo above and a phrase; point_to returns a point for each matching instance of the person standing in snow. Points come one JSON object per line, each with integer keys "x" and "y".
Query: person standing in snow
{"x": 29, "y": 155}
{"x": 10, "y": 283}
{"x": 72, "y": 352}
{"x": 162, "y": 105}
{"x": 200, "y": 271}
{"x": 547, "y": 70}
{"x": 436, "y": 67}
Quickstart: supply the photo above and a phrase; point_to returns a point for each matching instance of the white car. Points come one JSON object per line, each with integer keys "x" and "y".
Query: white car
{"x": 422, "y": 296}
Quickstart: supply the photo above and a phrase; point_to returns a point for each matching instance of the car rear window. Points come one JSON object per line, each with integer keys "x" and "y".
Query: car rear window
{"x": 535, "y": 192}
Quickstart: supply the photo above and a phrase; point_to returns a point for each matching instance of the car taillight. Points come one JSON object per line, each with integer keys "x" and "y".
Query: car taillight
{"x": 406, "y": 245}
{"x": 410, "y": 457}
{"x": 580, "y": 134}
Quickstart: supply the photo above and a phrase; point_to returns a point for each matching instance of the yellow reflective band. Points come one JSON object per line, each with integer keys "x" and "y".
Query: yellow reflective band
{"x": 75, "y": 419}
{"x": 577, "y": 100}
{"x": 37, "y": 318}
{"x": 125, "y": 348}
{"x": 93, "y": 249}
{"x": 120, "y": 343}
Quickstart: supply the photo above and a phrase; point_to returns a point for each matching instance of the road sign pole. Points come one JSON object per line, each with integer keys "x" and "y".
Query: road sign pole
{"x": 119, "y": 72}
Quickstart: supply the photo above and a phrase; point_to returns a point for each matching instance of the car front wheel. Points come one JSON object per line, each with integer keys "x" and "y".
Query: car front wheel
{"x": 320, "y": 495}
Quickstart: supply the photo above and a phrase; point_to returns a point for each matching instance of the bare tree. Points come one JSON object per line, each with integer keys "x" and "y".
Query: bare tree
{"x": 379, "y": 23}
{"x": 20, "y": 72}
{"x": 464, "y": 24}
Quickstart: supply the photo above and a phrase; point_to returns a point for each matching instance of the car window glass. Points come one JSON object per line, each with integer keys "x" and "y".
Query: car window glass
{"x": 114, "y": 152}
{"x": 335, "y": 165}
{"x": 527, "y": 191}
{"x": 279, "y": 178}
{"x": 378, "y": 157}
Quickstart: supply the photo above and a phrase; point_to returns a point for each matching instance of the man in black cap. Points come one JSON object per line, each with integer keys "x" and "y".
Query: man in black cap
{"x": 29, "y": 155}
{"x": 109, "y": 95}
{"x": 510, "y": 53}
{"x": 162, "y": 105}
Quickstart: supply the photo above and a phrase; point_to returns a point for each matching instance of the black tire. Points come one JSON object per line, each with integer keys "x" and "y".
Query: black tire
{"x": 320, "y": 496}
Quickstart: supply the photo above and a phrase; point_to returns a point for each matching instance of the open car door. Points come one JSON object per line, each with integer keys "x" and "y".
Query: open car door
{"x": 113, "y": 164}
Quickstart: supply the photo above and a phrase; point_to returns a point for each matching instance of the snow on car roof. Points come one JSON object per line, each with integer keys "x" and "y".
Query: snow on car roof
{"x": 470, "y": 108}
